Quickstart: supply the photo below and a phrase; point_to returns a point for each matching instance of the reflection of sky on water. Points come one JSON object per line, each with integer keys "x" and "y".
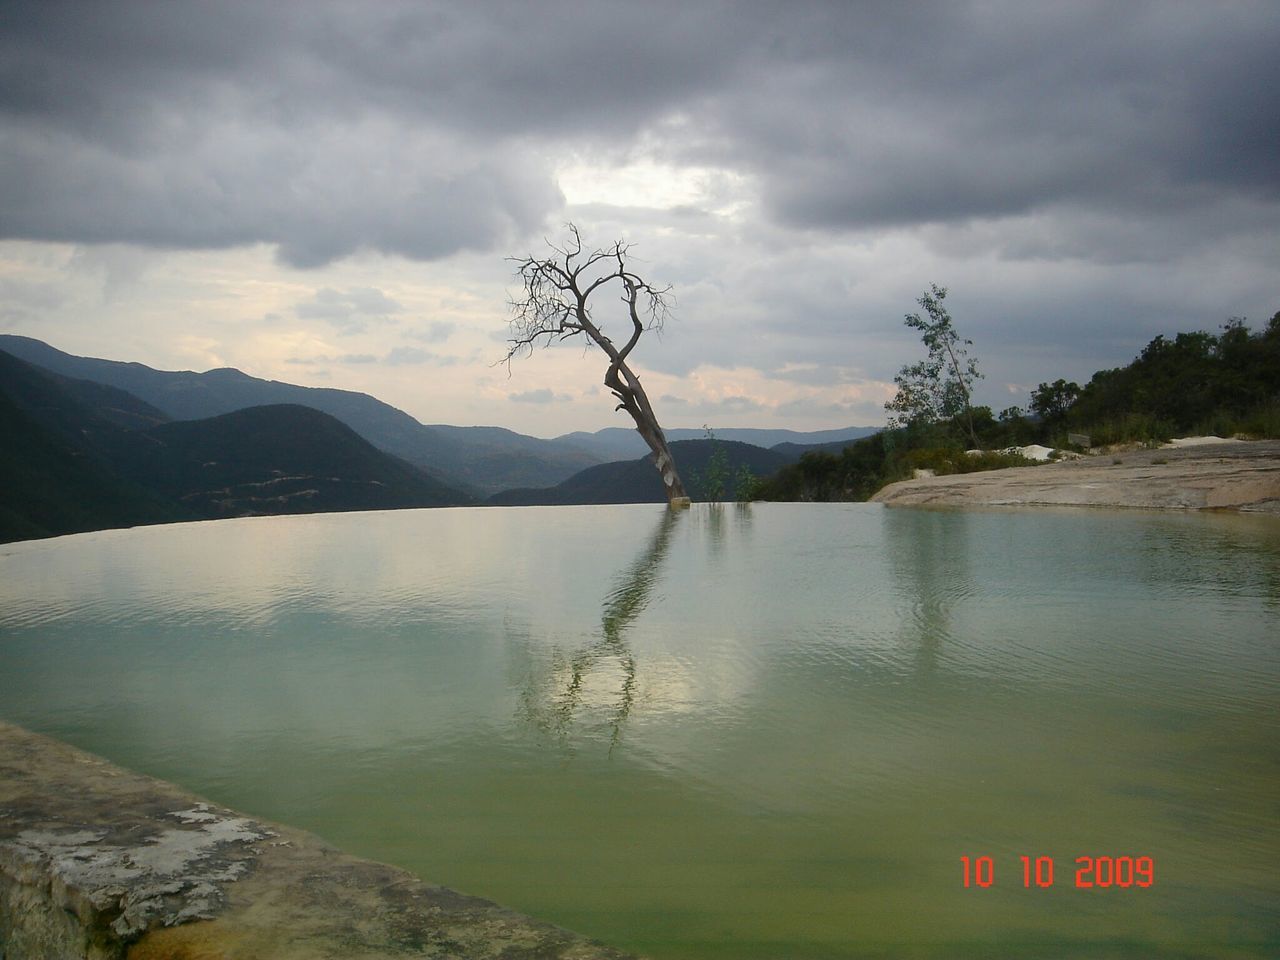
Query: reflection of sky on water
{"x": 383, "y": 623}
{"x": 872, "y": 683}
{"x": 899, "y": 592}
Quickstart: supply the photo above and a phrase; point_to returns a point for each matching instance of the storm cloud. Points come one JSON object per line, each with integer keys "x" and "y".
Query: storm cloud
{"x": 424, "y": 129}
{"x": 1082, "y": 175}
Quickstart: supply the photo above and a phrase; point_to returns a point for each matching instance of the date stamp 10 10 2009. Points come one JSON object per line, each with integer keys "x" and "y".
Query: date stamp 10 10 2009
{"x": 1104, "y": 872}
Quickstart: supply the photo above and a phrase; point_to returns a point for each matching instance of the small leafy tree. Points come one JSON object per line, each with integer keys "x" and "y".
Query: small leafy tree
{"x": 712, "y": 481}
{"x": 1051, "y": 401}
{"x": 719, "y": 480}
{"x": 746, "y": 485}
{"x": 940, "y": 387}
{"x": 1015, "y": 428}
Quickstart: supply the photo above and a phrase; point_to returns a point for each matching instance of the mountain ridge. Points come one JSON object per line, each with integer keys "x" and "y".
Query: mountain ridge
{"x": 482, "y": 465}
{"x": 478, "y": 461}
{"x": 624, "y": 443}
{"x": 282, "y": 458}
{"x": 636, "y": 481}
{"x": 56, "y": 476}
{"x": 70, "y": 469}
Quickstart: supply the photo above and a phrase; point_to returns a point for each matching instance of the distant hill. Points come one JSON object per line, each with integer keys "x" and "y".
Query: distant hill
{"x": 52, "y": 488}
{"x": 636, "y": 481}
{"x": 77, "y": 414}
{"x": 489, "y": 459}
{"x": 67, "y": 468}
{"x": 623, "y": 443}
{"x": 794, "y": 451}
{"x": 118, "y": 407}
{"x": 281, "y": 459}
{"x": 477, "y": 460}
{"x": 56, "y": 475}
{"x": 483, "y": 459}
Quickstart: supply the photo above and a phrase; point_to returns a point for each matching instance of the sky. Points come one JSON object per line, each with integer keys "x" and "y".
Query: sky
{"x": 328, "y": 193}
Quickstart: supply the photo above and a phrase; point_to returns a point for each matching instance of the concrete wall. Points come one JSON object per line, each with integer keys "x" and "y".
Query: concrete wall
{"x": 97, "y": 862}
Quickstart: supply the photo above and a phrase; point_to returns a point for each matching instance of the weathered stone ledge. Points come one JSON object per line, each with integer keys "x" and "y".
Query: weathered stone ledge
{"x": 1229, "y": 476}
{"x": 98, "y": 862}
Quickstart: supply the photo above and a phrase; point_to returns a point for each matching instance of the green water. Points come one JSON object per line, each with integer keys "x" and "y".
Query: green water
{"x": 764, "y": 732}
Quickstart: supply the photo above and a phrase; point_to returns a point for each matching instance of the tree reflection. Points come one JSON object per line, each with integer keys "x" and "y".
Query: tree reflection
{"x": 552, "y": 704}
{"x": 929, "y": 555}
{"x": 714, "y": 520}
{"x": 713, "y": 514}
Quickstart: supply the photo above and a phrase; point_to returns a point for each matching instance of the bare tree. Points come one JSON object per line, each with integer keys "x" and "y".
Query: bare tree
{"x": 555, "y": 305}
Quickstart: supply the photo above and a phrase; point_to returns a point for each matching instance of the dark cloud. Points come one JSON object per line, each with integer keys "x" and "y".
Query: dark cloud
{"x": 991, "y": 111}
{"x": 318, "y": 194}
{"x": 329, "y": 128}
{"x": 324, "y": 128}
{"x": 220, "y": 124}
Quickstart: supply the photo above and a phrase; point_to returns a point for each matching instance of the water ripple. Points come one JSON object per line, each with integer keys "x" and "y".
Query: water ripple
{"x": 807, "y": 714}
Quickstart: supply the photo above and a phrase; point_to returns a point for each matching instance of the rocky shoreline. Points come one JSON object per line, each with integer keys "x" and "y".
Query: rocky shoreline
{"x": 100, "y": 863}
{"x": 1234, "y": 475}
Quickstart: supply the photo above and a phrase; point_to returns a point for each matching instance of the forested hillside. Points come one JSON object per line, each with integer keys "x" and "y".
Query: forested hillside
{"x": 481, "y": 459}
{"x": 69, "y": 465}
{"x": 1224, "y": 384}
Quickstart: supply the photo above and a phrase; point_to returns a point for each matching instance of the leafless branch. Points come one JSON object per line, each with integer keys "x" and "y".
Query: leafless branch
{"x": 555, "y": 303}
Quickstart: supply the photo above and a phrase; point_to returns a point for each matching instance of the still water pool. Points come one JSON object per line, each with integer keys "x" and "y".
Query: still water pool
{"x": 733, "y": 732}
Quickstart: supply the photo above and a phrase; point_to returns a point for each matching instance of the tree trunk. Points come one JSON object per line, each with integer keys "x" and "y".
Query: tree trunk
{"x": 635, "y": 401}
{"x": 663, "y": 460}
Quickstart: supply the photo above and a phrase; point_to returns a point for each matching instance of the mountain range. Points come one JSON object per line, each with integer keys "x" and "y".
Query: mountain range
{"x": 623, "y": 443}
{"x": 479, "y": 460}
{"x": 53, "y": 477}
{"x": 80, "y": 456}
{"x": 94, "y": 443}
{"x": 636, "y": 481}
